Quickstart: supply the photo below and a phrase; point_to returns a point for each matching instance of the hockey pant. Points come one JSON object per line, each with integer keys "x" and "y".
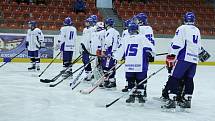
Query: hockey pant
{"x": 183, "y": 70}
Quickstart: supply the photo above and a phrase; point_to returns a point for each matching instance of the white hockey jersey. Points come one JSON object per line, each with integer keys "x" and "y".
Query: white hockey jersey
{"x": 134, "y": 48}
{"x": 125, "y": 33}
{"x": 112, "y": 39}
{"x": 186, "y": 44}
{"x": 88, "y": 34}
{"x": 98, "y": 41}
{"x": 34, "y": 38}
{"x": 68, "y": 36}
{"x": 148, "y": 33}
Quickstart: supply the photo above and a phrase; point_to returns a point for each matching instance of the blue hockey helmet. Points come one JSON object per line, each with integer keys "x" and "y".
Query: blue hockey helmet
{"x": 133, "y": 28}
{"x": 126, "y": 23}
{"x": 95, "y": 19}
{"x": 189, "y": 18}
{"x": 109, "y": 22}
{"x": 32, "y": 24}
{"x": 142, "y": 18}
{"x": 67, "y": 21}
{"x": 90, "y": 21}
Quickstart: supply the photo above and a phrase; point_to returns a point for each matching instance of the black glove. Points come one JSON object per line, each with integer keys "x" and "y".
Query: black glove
{"x": 151, "y": 58}
{"x": 204, "y": 55}
{"x": 26, "y": 44}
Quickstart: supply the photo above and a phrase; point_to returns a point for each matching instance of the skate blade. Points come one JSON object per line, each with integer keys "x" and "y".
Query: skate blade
{"x": 171, "y": 110}
{"x": 186, "y": 110}
{"x": 84, "y": 91}
{"x": 135, "y": 104}
{"x": 111, "y": 89}
{"x": 102, "y": 87}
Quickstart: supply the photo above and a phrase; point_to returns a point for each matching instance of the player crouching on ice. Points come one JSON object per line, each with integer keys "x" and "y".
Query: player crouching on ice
{"x": 184, "y": 56}
{"x": 136, "y": 50}
{"x": 66, "y": 44}
{"x": 34, "y": 40}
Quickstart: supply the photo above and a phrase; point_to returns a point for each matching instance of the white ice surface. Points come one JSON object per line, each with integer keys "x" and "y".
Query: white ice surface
{"x": 24, "y": 98}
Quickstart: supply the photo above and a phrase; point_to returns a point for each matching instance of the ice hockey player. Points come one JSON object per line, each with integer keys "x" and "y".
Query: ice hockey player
{"x": 144, "y": 28}
{"x": 136, "y": 50}
{"x": 68, "y": 35}
{"x": 110, "y": 45}
{"x": 34, "y": 41}
{"x": 87, "y": 41}
{"x": 184, "y": 51}
{"x": 95, "y": 19}
{"x": 125, "y": 34}
{"x": 125, "y": 25}
{"x": 97, "y": 44}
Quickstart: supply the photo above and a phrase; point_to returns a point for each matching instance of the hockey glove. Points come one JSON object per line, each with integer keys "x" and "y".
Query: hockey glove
{"x": 151, "y": 58}
{"x": 98, "y": 52}
{"x": 170, "y": 62}
{"x": 204, "y": 55}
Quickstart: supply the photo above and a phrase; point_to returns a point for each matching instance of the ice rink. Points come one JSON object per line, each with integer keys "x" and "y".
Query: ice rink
{"x": 24, "y": 98}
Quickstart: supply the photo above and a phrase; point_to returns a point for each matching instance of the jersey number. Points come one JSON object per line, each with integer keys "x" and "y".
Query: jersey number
{"x": 195, "y": 39}
{"x": 149, "y": 37}
{"x": 131, "y": 50}
{"x": 71, "y": 35}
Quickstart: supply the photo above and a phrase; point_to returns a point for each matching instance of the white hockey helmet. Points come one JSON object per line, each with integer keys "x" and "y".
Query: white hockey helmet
{"x": 99, "y": 26}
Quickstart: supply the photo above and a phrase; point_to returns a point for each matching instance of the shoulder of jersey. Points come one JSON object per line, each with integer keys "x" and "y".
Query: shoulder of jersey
{"x": 37, "y": 29}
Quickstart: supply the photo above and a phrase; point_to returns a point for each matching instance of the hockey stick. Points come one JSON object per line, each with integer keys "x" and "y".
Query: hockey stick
{"x": 49, "y": 64}
{"x": 84, "y": 48}
{"x": 53, "y": 85}
{"x": 100, "y": 80}
{"x": 13, "y": 58}
{"x": 77, "y": 78}
{"x": 62, "y": 72}
{"x": 161, "y": 54}
{"x": 108, "y": 105}
{"x": 81, "y": 80}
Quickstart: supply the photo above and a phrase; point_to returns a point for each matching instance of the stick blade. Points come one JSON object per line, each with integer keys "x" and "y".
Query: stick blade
{"x": 84, "y": 91}
{"x": 52, "y": 85}
{"x": 45, "y": 80}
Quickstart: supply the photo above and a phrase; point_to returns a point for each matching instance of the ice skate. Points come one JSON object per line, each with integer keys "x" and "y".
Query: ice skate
{"x": 68, "y": 74}
{"x": 112, "y": 84}
{"x": 89, "y": 76}
{"x": 185, "y": 104}
{"x": 32, "y": 68}
{"x": 38, "y": 68}
{"x": 140, "y": 97}
{"x": 131, "y": 99}
{"x": 170, "y": 105}
{"x": 125, "y": 89}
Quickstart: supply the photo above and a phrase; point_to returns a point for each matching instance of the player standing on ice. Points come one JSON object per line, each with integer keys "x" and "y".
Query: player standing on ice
{"x": 96, "y": 49}
{"x": 110, "y": 45}
{"x": 34, "y": 40}
{"x": 185, "y": 47}
{"x": 87, "y": 40}
{"x": 137, "y": 51}
{"x": 125, "y": 33}
{"x": 125, "y": 25}
{"x": 68, "y": 35}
